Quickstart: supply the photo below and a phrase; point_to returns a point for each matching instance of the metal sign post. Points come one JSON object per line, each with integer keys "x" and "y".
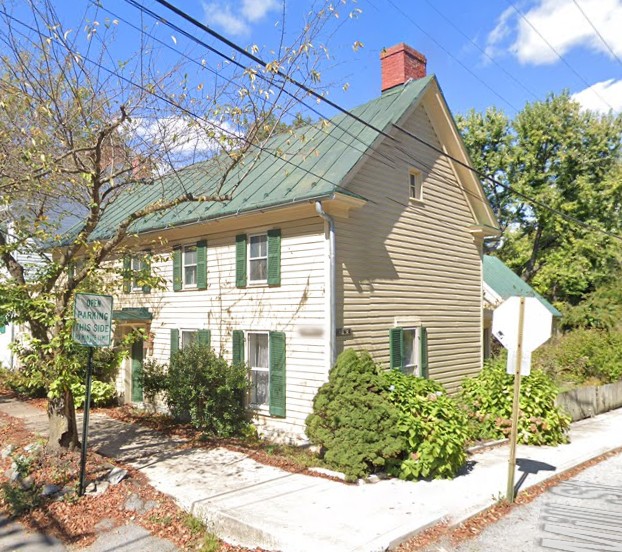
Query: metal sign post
{"x": 92, "y": 327}
{"x": 515, "y": 402}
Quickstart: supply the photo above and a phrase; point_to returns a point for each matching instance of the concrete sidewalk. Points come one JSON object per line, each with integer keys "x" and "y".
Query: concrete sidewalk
{"x": 254, "y": 505}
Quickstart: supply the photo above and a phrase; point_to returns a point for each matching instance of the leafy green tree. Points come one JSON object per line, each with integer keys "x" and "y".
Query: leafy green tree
{"x": 568, "y": 161}
{"x": 81, "y": 132}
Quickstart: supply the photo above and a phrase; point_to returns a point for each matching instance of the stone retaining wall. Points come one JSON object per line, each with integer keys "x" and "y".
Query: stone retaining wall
{"x": 585, "y": 402}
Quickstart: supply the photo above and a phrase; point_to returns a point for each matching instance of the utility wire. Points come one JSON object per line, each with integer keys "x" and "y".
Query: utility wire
{"x": 441, "y": 152}
{"x": 448, "y": 53}
{"x": 554, "y": 50}
{"x": 482, "y": 51}
{"x": 264, "y": 64}
{"x": 602, "y": 38}
{"x": 401, "y": 129}
{"x": 387, "y": 160}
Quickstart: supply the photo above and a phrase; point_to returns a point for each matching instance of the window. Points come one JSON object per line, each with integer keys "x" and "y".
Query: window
{"x": 190, "y": 266}
{"x": 408, "y": 350}
{"x": 138, "y": 266}
{"x": 258, "y": 258}
{"x": 188, "y": 337}
{"x": 411, "y": 350}
{"x": 259, "y": 363}
{"x": 136, "y": 271}
{"x": 416, "y": 184}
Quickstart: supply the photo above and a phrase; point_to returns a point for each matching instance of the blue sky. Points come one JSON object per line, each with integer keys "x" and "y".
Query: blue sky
{"x": 483, "y": 53}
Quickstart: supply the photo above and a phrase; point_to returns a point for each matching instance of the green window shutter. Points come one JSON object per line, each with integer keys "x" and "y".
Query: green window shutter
{"x": 423, "y": 351}
{"x": 127, "y": 274}
{"x": 396, "y": 348}
{"x": 146, "y": 264}
{"x": 274, "y": 257}
{"x": 204, "y": 337}
{"x": 177, "y": 269}
{"x": 240, "y": 260}
{"x": 277, "y": 374}
{"x": 174, "y": 341}
{"x": 202, "y": 264}
{"x": 237, "y": 353}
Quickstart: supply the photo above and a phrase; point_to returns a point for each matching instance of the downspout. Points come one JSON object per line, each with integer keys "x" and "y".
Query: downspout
{"x": 332, "y": 284}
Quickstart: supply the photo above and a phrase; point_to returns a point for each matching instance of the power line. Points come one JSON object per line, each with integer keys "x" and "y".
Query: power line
{"x": 401, "y": 129}
{"x": 554, "y": 50}
{"x": 602, "y": 38}
{"x": 187, "y": 111}
{"x": 264, "y": 64}
{"x": 464, "y": 66}
{"x": 482, "y": 50}
{"x": 387, "y": 161}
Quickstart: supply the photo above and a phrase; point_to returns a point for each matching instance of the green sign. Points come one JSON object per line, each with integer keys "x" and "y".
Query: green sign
{"x": 92, "y": 319}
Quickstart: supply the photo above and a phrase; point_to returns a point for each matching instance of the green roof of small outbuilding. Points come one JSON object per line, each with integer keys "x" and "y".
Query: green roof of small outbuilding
{"x": 311, "y": 164}
{"x": 506, "y": 283}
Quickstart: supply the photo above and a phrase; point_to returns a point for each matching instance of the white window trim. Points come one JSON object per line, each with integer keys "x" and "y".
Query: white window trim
{"x": 183, "y": 267}
{"x": 416, "y": 367}
{"x": 252, "y": 282}
{"x": 263, "y": 407}
{"x": 417, "y": 176}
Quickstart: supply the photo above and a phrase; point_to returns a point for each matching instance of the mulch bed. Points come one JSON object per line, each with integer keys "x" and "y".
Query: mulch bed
{"x": 75, "y": 520}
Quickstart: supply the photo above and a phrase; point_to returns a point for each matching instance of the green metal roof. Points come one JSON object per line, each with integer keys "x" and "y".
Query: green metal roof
{"x": 506, "y": 283}
{"x": 310, "y": 164}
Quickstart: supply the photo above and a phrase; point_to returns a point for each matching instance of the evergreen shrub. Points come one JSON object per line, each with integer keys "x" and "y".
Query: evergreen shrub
{"x": 353, "y": 419}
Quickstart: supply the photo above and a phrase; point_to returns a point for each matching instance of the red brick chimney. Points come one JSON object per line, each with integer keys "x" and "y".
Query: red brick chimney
{"x": 400, "y": 63}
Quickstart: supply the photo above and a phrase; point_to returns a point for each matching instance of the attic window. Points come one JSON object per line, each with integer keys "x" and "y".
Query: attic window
{"x": 416, "y": 184}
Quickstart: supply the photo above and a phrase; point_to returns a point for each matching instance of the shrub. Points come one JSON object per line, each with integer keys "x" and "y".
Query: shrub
{"x": 488, "y": 399}
{"x": 155, "y": 380}
{"x": 582, "y": 356}
{"x": 106, "y": 362}
{"x": 17, "y": 500}
{"x": 102, "y": 394}
{"x": 433, "y": 425}
{"x": 27, "y": 380}
{"x": 206, "y": 391}
{"x": 354, "y": 421}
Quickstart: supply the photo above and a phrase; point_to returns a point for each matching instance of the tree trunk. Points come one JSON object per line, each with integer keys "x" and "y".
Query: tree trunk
{"x": 63, "y": 426}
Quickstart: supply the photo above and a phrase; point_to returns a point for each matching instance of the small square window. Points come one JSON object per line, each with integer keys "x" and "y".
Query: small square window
{"x": 190, "y": 266}
{"x": 258, "y": 258}
{"x": 258, "y": 360}
{"x": 416, "y": 185}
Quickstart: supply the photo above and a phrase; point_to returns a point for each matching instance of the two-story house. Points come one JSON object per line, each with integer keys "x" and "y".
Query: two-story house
{"x": 364, "y": 233}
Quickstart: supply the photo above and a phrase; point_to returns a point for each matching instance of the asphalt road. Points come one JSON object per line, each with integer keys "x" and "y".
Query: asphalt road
{"x": 582, "y": 514}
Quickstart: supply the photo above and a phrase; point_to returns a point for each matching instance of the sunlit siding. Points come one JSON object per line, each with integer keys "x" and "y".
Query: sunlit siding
{"x": 296, "y": 307}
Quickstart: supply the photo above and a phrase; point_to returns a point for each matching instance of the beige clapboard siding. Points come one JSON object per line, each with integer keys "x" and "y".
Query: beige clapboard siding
{"x": 420, "y": 263}
{"x": 297, "y": 303}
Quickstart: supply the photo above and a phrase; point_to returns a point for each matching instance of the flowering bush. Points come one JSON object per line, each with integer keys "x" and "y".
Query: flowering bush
{"x": 434, "y": 427}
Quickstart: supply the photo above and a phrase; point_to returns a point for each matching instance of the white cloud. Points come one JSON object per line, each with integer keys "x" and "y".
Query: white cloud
{"x": 223, "y": 17}
{"x": 255, "y": 10}
{"x": 236, "y": 18}
{"x": 563, "y": 26}
{"x": 601, "y": 96}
